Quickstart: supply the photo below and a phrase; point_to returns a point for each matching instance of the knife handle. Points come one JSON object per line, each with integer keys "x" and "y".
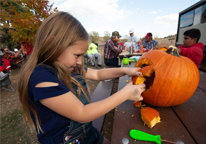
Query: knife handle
{"x": 139, "y": 135}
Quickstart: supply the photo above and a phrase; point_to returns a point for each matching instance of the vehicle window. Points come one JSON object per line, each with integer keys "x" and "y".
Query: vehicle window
{"x": 203, "y": 15}
{"x": 187, "y": 19}
{"x": 198, "y": 12}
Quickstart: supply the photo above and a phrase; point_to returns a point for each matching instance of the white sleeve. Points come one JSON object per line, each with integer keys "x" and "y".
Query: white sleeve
{"x": 129, "y": 39}
{"x": 136, "y": 38}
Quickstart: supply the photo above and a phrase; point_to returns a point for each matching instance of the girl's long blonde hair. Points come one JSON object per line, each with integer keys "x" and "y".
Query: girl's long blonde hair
{"x": 55, "y": 34}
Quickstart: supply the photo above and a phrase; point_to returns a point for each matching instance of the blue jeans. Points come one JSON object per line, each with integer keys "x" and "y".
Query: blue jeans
{"x": 111, "y": 62}
{"x": 87, "y": 134}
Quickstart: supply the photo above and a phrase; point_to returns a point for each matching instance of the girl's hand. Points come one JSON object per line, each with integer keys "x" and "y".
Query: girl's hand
{"x": 133, "y": 92}
{"x": 133, "y": 72}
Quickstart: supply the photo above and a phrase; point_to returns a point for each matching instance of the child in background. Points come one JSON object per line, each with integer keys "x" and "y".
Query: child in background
{"x": 190, "y": 48}
{"x": 52, "y": 87}
{"x": 26, "y": 49}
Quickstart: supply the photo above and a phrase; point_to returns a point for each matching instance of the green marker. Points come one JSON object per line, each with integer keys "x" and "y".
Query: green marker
{"x": 139, "y": 135}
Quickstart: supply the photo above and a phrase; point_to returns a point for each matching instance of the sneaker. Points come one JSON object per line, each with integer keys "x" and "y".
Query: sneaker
{"x": 99, "y": 65}
{"x": 108, "y": 80}
{"x": 93, "y": 65}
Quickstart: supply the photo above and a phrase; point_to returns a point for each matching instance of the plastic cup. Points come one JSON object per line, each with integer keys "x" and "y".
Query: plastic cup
{"x": 141, "y": 49}
{"x": 125, "y": 60}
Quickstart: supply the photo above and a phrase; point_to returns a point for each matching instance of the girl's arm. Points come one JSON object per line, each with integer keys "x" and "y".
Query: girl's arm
{"x": 110, "y": 73}
{"x": 70, "y": 106}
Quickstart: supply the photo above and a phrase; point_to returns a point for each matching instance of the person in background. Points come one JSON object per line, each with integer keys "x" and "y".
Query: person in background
{"x": 149, "y": 43}
{"x": 2, "y": 74}
{"x": 26, "y": 49}
{"x": 13, "y": 57}
{"x": 132, "y": 37}
{"x": 112, "y": 49}
{"x": 191, "y": 48}
{"x": 93, "y": 52}
{"x": 143, "y": 39}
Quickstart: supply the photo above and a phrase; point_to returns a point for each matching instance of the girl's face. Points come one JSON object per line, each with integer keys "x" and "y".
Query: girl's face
{"x": 72, "y": 55}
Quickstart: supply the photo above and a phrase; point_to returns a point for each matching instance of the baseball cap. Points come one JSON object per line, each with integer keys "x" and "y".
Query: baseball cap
{"x": 131, "y": 31}
{"x": 116, "y": 33}
{"x": 148, "y": 34}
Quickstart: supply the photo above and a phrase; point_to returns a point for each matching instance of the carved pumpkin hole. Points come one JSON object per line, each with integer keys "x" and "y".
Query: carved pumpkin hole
{"x": 149, "y": 80}
{"x": 144, "y": 65}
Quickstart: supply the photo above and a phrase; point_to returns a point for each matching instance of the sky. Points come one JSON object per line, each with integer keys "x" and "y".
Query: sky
{"x": 160, "y": 17}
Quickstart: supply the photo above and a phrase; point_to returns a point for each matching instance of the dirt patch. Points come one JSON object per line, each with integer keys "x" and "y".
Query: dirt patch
{"x": 13, "y": 128}
{"x": 10, "y": 100}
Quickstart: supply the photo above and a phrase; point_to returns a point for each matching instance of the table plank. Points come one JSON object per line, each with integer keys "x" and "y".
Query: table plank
{"x": 102, "y": 91}
{"x": 202, "y": 83}
{"x": 170, "y": 127}
{"x": 133, "y": 54}
{"x": 193, "y": 114}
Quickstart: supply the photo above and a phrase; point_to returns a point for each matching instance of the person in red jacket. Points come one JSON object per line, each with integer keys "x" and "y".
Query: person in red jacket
{"x": 190, "y": 48}
{"x": 26, "y": 49}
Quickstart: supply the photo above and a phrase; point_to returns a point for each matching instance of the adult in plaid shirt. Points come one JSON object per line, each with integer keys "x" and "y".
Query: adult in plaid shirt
{"x": 112, "y": 49}
{"x": 15, "y": 58}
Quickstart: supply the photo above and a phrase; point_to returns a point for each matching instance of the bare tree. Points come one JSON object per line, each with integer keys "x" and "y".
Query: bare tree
{"x": 125, "y": 37}
{"x": 107, "y": 35}
{"x": 94, "y": 36}
{"x": 155, "y": 37}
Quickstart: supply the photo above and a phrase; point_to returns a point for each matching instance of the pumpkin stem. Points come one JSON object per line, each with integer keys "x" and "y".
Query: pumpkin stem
{"x": 173, "y": 51}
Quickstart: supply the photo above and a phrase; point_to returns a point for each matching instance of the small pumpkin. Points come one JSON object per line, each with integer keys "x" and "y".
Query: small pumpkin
{"x": 171, "y": 79}
{"x": 150, "y": 116}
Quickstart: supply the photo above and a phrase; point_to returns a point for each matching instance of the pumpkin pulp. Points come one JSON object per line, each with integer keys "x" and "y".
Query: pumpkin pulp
{"x": 148, "y": 78}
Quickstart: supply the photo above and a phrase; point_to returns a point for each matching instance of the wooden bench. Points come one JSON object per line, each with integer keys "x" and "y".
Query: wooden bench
{"x": 102, "y": 91}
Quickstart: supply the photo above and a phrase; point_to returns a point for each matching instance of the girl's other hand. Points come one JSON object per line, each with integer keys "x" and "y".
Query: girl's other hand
{"x": 133, "y": 92}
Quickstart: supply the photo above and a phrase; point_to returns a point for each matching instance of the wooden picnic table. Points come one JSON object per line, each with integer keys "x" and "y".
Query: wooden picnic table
{"x": 133, "y": 54}
{"x": 121, "y": 55}
{"x": 183, "y": 123}
{"x": 126, "y": 53}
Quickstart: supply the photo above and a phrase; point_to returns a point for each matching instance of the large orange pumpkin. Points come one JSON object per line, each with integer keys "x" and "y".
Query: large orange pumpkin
{"x": 171, "y": 79}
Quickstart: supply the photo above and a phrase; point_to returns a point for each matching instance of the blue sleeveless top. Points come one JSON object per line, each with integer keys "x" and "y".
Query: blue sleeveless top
{"x": 53, "y": 124}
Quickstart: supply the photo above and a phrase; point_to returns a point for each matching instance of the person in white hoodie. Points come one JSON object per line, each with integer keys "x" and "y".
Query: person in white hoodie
{"x": 132, "y": 37}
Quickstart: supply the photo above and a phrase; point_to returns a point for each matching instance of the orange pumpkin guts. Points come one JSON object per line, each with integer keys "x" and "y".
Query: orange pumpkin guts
{"x": 171, "y": 79}
{"x": 150, "y": 116}
{"x": 138, "y": 80}
{"x": 137, "y": 104}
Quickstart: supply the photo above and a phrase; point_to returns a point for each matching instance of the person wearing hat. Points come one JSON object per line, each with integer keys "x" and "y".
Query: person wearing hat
{"x": 149, "y": 43}
{"x": 132, "y": 37}
{"x": 112, "y": 49}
